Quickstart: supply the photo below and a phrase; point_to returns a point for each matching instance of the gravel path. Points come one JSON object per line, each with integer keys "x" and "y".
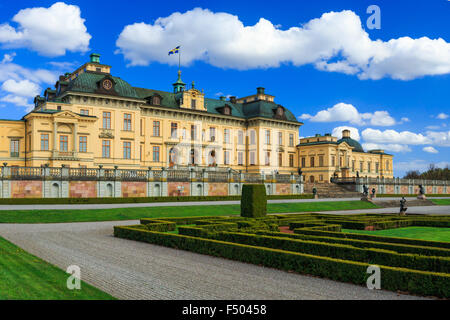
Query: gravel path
{"x": 135, "y": 270}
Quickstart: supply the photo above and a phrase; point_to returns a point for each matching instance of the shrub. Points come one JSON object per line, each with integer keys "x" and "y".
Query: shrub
{"x": 254, "y": 201}
{"x": 396, "y": 279}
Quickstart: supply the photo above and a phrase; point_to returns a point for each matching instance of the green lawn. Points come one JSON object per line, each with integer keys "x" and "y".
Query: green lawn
{"x": 26, "y": 277}
{"x": 53, "y": 216}
{"x": 441, "y": 202}
{"x": 423, "y": 233}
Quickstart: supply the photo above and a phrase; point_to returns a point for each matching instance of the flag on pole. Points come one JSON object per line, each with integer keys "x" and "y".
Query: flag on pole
{"x": 173, "y": 51}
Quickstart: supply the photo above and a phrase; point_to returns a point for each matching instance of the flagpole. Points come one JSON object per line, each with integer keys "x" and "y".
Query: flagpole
{"x": 179, "y": 60}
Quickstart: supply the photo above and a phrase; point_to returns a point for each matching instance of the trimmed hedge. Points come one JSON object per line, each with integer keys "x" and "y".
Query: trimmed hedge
{"x": 339, "y": 251}
{"x": 413, "y": 281}
{"x": 373, "y": 238}
{"x": 139, "y": 199}
{"x": 385, "y": 195}
{"x": 254, "y": 201}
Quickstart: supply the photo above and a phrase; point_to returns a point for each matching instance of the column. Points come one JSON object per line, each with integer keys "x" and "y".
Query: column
{"x": 55, "y": 129}
{"x": 75, "y": 133}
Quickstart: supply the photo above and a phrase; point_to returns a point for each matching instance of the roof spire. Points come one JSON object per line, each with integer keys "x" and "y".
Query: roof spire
{"x": 179, "y": 85}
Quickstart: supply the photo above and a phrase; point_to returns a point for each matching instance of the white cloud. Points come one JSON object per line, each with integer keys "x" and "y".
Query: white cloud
{"x": 430, "y": 150}
{"x": 18, "y": 101}
{"x": 49, "y": 31}
{"x": 433, "y": 127}
{"x": 417, "y": 164}
{"x": 404, "y": 119}
{"x": 348, "y": 113}
{"x": 442, "y": 116}
{"x": 354, "y": 133}
{"x": 24, "y": 88}
{"x": 335, "y": 42}
{"x": 394, "y": 147}
{"x": 439, "y": 138}
{"x": 393, "y": 137}
{"x": 21, "y": 84}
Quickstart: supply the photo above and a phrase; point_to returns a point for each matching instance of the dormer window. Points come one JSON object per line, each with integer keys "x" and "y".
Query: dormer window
{"x": 280, "y": 111}
{"x": 227, "y": 110}
{"x": 156, "y": 100}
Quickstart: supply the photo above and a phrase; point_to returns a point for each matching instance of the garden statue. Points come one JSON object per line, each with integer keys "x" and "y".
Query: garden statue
{"x": 314, "y": 191}
{"x": 421, "y": 195}
{"x": 365, "y": 196}
{"x": 373, "y": 192}
{"x": 403, "y": 207}
{"x": 365, "y": 190}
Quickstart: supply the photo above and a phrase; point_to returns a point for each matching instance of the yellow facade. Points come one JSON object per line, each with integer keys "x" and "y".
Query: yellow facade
{"x": 324, "y": 157}
{"x": 94, "y": 119}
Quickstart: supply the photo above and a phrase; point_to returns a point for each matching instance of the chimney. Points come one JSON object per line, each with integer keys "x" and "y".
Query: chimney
{"x": 222, "y": 98}
{"x": 260, "y": 90}
{"x": 95, "y": 58}
{"x": 346, "y": 133}
{"x": 233, "y": 99}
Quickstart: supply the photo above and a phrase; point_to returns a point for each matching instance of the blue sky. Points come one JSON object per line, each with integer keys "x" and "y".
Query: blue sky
{"x": 319, "y": 58}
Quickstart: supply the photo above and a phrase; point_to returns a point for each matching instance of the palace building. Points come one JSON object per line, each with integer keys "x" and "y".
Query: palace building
{"x": 93, "y": 118}
{"x": 324, "y": 157}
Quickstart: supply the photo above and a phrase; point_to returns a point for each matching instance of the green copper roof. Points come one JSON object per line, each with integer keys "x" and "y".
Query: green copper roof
{"x": 353, "y": 143}
{"x": 87, "y": 82}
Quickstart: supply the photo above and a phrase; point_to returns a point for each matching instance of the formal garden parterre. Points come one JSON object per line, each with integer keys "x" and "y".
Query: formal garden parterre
{"x": 314, "y": 244}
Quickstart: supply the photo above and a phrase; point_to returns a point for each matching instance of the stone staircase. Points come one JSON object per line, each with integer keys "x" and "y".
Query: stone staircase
{"x": 331, "y": 190}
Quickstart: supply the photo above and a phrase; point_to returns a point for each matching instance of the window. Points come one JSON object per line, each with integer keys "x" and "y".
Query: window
{"x": 311, "y": 162}
{"x": 142, "y": 127}
{"x": 353, "y": 165}
{"x": 127, "y": 122}
{"x": 58, "y": 108}
{"x": 140, "y": 152}
{"x": 183, "y": 133}
{"x": 63, "y": 143}
{"x": 333, "y": 161}
{"x": 156, "y": 154}
{"x": 240, "y": 158}
{"x": 83, "y": 144}
{"x": 84, "y": 112}
{"x": 280, "y": 138}
{"x": 291, "y": 140}
{"x": 303, "y": 162}
{"x": 212, "y": 134}
{"x": 14, "y": 148}
{"x": 267, "y": 158}
{"x": 156, "y": 101}
{"x": 361, "y": 166}
{"x": 226, "y": 135}
{"x": 44, "y": 142}
{"x": 156, "y": 125}
{"x": 193, "y": 103}
{"x": 193, "y": 132}
{"x": 252, "y": 137}
{"x": 173, "y": 130}
{"x": 387, "y": 164}
{"x": 240, "y": 137}
{"x": 320, "y": 161}
{"x": 252, "y": 158}
{"x": 377, "y": 167}
{"x": 227, "y": 110}
{"x": 320, "y": 177}
{"x": 291, "y": 160}
{"x": 368, "y": 166}
{"x": 98, "y": 69}
{"x": 127, "y": 150}
{"x": 280, "y": 159}
{"x": 106, "y": 148}
{"x": 106, "y": 120}
{"x": 267, "y": 136}
{"x": 226, "y": 157}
